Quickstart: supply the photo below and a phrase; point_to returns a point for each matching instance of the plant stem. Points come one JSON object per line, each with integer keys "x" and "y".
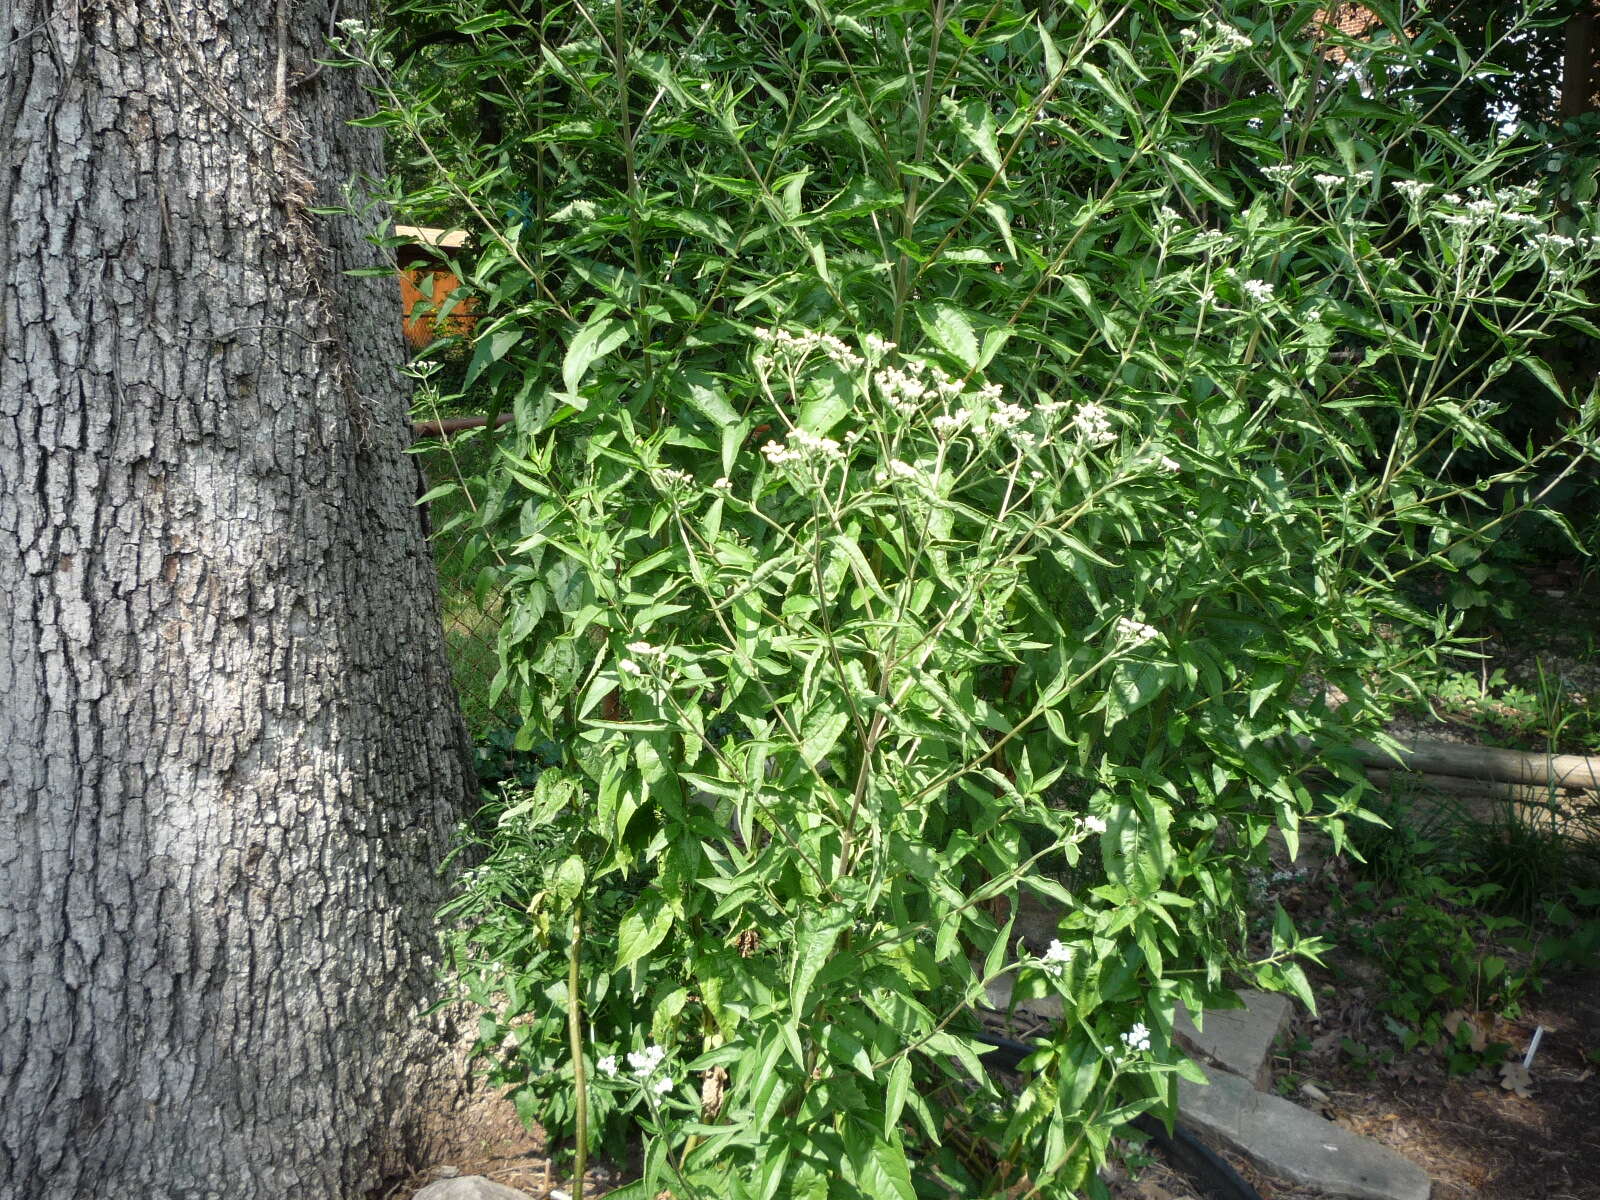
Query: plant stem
{"x": 580, "y": 1081}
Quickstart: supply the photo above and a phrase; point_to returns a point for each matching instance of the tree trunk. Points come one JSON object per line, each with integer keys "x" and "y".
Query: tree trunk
{"x": 1580, "y": 76}
{"x": 230, "y": 755}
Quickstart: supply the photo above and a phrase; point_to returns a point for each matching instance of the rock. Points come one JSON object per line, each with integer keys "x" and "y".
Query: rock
{"x": 469, "y": 1187}
{"x": 1046, "y": 1007}
{"x": 1239, "y": 1039}
{"x": 1286, "y": 1140}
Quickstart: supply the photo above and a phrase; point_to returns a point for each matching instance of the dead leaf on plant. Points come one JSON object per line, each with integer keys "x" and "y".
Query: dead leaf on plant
{"x": 1515, "y": 1077}
{"x": 1459, "y": 1017}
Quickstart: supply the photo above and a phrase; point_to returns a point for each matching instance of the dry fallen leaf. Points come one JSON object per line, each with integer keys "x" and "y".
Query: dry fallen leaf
{"x": 1515, "y": 1077}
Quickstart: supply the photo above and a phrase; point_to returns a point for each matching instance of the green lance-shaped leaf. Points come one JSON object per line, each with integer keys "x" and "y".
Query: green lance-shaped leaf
{"x": 815, "y": 938}
{"x": 594, "y": 341}
{"x": 975, "y": 123}
{"x": 950, "y": 330}
{"x": 643, "y": 928}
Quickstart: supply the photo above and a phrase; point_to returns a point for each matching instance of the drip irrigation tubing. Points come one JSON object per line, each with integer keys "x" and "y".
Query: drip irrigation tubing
{"x": 1187, "y": 1154}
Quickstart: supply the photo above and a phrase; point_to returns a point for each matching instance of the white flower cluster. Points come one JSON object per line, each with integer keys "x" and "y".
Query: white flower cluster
{"x": 1084, "y": 826}
{"x": 1136, "y": 631}
{"x": 643, "y": 1063}
{"x": 1055, "y": 959}
{"x": 1279, "y": 173}
{"x": 1008, "y": 416}
{"x": 1212, "y": 34}
{"x": 905, "y": 388}
{"x": 640, "y": 650}
{"x": 1257, "y": 291}
{"x": 1414, "y": 190}
{"x": 796, "y": 347}
{"x": 1137, "y": 1038}
{"x": 803, "y": 446}
{"x": 1093, "y": 425}
{"x": 670, "y": 479}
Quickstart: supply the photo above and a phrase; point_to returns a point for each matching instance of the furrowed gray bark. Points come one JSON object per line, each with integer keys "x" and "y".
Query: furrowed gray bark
{"x": 230, "y": 755}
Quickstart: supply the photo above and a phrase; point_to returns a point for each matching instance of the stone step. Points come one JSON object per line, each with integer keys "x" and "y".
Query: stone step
{"x": 1286, "y": 1140}
{"x": 1239, "y": 1039}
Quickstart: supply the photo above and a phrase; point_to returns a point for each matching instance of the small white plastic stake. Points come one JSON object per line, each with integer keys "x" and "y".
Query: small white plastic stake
{"x": 1533, "y": 1047}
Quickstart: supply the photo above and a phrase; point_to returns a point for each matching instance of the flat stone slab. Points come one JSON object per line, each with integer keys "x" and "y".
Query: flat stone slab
{"x": 469, "y": 1187}
{"x": 999, "y": 989}
{"x": 1299, "y": 1146}
{"x": 1239, "y": 1039}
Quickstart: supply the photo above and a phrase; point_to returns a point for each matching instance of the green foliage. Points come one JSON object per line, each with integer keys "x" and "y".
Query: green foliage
{"x": 1458, "y": 919}
{"x": 1550, "y": 715}
{"x": 956, "y": 446}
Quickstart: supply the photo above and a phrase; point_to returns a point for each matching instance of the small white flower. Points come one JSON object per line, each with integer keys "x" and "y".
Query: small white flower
{"x": 1055, "y": 959}
{"x": 662, "y": 1086}
{"x": 1137, "y": 1038}
{"x": 628, "y": 667}
{"x": 878, "y": 346}
{"x": 1090, "y": 824}
{"x": 1007, "y": 416}
{"x": 1327, "y": 182}
{"x": 1258, "y": 290}
{"x": 643, "y": 649}
{"x": 644, "y": 1062}
{"x": 1169, "y": 464}
{"x": 723, "y": 484}
{"x": 1093, "y": 425}
{"x": 1279, "y": 173}
{"x": 1412, "y": 189}
{"x": 607, "y": 1066}
{"x": 1136, "y": 631}
{"x": 946, "y": 425}
{"x": 904, "y": 470}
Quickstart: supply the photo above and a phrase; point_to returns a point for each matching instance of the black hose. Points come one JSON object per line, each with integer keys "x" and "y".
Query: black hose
{"x": 1204, "y": 1168}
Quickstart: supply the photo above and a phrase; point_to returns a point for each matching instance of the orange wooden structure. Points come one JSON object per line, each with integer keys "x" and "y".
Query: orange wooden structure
{"x": 426, "y": 281}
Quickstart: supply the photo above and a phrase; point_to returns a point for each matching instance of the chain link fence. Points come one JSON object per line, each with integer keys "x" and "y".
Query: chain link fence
{"x": 471, "y": 589}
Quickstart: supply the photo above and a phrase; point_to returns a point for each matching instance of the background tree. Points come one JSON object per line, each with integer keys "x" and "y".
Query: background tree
{"x": 230, "y": 756}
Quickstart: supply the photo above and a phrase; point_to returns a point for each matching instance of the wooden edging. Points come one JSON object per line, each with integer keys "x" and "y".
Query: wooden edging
{"x": 1486, "y": 763}
{"x": 426, "y": 429}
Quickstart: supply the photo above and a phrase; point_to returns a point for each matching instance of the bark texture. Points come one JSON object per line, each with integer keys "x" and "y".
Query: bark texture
{"x": 230, "y": 755}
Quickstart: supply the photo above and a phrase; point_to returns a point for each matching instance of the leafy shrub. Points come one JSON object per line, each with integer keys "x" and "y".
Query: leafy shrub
{"x": 958, "y": 444}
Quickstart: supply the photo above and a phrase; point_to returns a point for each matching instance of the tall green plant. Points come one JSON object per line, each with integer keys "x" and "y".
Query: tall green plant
{"x": 960, "y": 449}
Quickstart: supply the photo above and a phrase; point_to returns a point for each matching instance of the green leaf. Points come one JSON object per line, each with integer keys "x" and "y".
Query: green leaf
{"x": 951, "y": 331}
{"x": 704, "y": 395}
{"x": 820, "y": 732}
{"x": 815, "y": 936}
{"x": 643, "y": 928}
{"x": 594, "y": 341}
{"x": 490, "y": 350}
{"x": 975, "y": 123}
{"x": 883, "y": 1172}
{"x": 1052, "y": 57}
{"x": 569, "y": 878}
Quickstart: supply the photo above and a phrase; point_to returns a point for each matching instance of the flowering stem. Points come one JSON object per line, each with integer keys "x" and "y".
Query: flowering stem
{"x": 575, "y": 1039}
